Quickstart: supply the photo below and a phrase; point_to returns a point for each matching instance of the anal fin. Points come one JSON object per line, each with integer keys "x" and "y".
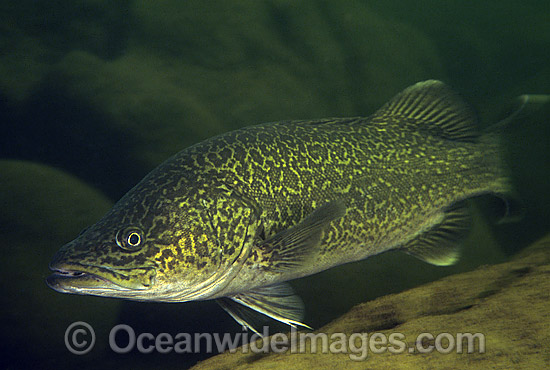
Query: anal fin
{"x": 440, "y": 245}
{"x": 276, "y": 301}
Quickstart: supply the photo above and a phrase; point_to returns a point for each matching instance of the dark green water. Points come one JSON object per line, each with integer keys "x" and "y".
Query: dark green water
{"x": 94, "y": 94}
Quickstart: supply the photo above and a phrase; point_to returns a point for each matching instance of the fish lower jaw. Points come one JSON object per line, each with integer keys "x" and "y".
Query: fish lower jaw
{"x": 79, "y": 282}
{"x": 95, "y": 280}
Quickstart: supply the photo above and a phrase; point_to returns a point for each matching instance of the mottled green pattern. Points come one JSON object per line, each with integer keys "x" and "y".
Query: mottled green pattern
{"x": 206, "y": 211}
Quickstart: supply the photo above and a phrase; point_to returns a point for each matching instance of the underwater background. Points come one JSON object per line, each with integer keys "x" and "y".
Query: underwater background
{"x": 94, "y": 94}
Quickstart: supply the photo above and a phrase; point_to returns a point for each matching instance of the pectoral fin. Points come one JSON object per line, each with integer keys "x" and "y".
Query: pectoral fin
{"x": 440, "y": 245}
{"x": 290, "y": 247}
{"x": 276, "y": 301}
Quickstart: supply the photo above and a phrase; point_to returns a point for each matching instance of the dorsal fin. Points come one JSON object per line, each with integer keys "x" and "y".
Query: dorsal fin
{"x": 433, "y": 106}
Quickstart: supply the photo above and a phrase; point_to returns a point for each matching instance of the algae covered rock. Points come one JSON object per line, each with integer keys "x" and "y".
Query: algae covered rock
{"x": 40, "y": 209}
{"x": 488, "y": 303}
{"x": 342, "y": 55}
{"x": 185, "y": 71}
{"x": 45, "y": 203}
{"x": 139, "y": 102}
{"x": 36, "y": 34}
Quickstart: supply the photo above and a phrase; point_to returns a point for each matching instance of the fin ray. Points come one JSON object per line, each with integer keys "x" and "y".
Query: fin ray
{"x": 276, "y": 301}
{"x": 432, "y": 106}
{"x": 290, "y": 247}
{"x": 244, "y": 315}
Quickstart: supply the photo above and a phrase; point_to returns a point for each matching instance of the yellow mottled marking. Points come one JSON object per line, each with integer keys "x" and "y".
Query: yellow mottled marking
{"x": 187, "y": 249}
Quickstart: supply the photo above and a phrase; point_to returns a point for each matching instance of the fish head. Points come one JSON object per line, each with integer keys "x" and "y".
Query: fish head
{"x": 159, "y": 246}
{"x": 105, "y": 260}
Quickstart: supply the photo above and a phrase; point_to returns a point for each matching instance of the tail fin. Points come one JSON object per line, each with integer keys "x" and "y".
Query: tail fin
{"x": 519, "y": 106}
{"x": 508, "y": 207}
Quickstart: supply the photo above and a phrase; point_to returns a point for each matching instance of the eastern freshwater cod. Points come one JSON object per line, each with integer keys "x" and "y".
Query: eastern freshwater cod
{"x": 234, "y": 217}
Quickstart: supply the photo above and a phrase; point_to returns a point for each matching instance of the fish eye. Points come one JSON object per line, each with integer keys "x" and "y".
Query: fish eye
{"x": 134, "y": 239}
{"x": 130, "y": 238}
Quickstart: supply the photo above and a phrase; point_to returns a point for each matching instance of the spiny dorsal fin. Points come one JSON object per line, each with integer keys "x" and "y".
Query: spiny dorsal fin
{"x": 431, "y": 105}
{"x": 439, "y": 245}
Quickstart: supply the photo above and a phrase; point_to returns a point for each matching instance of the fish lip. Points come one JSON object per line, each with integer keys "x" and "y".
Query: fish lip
{"x": 66, "y": 277}
{"x": 60, "y": 277}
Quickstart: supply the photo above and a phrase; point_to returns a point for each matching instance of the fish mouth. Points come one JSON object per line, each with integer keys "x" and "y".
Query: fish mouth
{"x": 99, "y": 280}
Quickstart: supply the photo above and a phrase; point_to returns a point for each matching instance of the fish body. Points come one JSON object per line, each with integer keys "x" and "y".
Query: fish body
{"x": 234, "y": 217}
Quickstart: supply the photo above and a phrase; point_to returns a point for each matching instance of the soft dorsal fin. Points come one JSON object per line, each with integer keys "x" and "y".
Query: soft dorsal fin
{"x": 433, "y": 106}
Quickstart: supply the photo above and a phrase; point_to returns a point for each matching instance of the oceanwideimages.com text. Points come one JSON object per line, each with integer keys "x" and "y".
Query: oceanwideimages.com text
{"x": 80, "y": 339}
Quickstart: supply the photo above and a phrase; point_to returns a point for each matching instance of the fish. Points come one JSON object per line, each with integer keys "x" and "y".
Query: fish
{"x": 235, "y": 217}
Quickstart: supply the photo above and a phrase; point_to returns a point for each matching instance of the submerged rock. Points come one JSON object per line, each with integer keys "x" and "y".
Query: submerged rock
{"x": 40, "y": 209}
{"x": 178, "y": 72}
{"x": 40, "y": 202}
{"x": 508, "y": 303}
